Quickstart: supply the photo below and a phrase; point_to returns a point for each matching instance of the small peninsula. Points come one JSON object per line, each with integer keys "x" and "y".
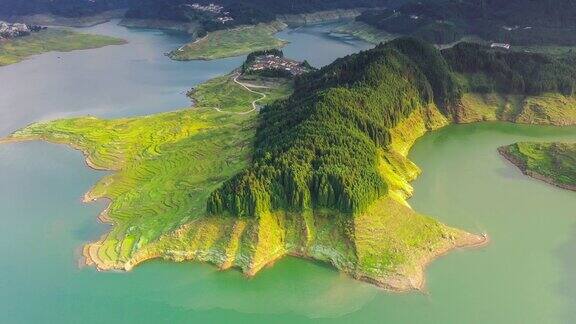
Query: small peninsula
{"x": 231, "y": 42}
{"x": 554, "y": 163}
{"x": 16, "y": 49}
{"x": 313, "y": 166}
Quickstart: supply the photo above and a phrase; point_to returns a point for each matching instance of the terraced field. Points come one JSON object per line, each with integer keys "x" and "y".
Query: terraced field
{"x": 166, "y": 164}
{"x": 16, "y": 50}
{"x": 546, "y": 109}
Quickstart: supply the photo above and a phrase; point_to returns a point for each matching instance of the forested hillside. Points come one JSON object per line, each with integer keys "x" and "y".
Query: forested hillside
{"x": 554, "y": 163}
{"x": 65, "y": 8}
{"x": 242, "y": 11}
{"x": 489, "y": 70}
{"x": 318, "y": 149}
{"x": 520, "y": 22}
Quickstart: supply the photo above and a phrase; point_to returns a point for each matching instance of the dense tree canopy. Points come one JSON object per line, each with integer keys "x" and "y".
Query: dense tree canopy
{"x": 490, "y": 70}
{"x": 318, "y": 148}
{"x": 519, "y": 22}
{"x": 243, "y": 11}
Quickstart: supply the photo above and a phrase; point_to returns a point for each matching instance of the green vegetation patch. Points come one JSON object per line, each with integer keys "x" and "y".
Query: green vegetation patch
{"x": 319, "y": 148}
{"x": 166, "y": 164}
{"x": 518, "y": 22}
{"x": 488, "y": 70}
{"x": 551, "y": 162}
{"x": 546, "y": 109}
{"x": 531, "y": 88}
{"x": 15, "y": 50}
{"x": 231, "y": 42}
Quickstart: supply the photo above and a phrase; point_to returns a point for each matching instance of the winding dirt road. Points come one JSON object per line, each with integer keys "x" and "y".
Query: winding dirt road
{"x": 246, "y": 86}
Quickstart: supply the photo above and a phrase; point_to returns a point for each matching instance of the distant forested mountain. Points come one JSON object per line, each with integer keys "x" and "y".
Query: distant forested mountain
{"x": 319, "y": 148}
{"x": 65, "y": 8}
{"x": 521, "y": 22}
{"x": 488, "y": 70}
{"x": 242, "y": 11}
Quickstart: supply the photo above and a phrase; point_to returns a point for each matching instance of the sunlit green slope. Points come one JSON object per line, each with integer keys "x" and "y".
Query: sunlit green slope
{"x": 554, "y": 163}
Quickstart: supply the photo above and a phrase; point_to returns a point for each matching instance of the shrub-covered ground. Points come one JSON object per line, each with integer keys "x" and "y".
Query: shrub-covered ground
{"x": 165, "y": 165}
{"x": 518, "y": 22}
{"x": 552, "y": 162}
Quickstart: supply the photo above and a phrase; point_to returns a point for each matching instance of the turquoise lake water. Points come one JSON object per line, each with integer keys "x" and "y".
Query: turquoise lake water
{"x": 526, "y": 275}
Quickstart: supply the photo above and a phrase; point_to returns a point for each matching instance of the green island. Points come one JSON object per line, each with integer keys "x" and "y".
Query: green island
{"x": 554, "y": 163}
{"x": 321, "y": 171}
{"x": 60, "y": 40}
{"x": 231, "y": 42}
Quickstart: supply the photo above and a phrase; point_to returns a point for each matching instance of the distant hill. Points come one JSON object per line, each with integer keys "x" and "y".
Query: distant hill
{"x": 64, "y": 8}
{"x": 520, "y": 22}
{"x": 234, "y": 12}
{"x": 554, "y": 163}
{"x": 242, "y": 11}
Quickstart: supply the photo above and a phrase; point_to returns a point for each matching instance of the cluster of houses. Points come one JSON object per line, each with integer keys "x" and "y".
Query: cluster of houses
{"x": 8, "y": 30}
{"x": 273, "y": 62}
{"x": 511, "y": 28}
{"x": 221, "y": 15}
{"x": 505, "y": 46}
{"x": 213, "y": 8}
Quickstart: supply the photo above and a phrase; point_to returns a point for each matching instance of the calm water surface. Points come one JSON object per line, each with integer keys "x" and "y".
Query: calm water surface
{"x": 525, "y": 276}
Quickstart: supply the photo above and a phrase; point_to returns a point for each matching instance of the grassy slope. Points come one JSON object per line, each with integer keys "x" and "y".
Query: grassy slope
{"x": 388, "y": 244}
{"x": 231, "y": 42}
{"x": 546, "y": 109}
{"x": 551, "y": 162}
{"x": 16, "y": 50}
{"x": 167, "y": 164}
